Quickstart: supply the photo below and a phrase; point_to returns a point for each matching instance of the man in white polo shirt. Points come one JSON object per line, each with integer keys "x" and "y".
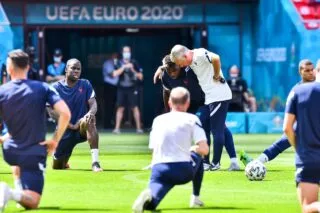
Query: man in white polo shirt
{"x": 175, "y": 160}
{"x": 206, "y": 65}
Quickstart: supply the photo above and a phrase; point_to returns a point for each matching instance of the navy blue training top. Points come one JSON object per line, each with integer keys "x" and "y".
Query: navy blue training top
{"x": 23, "y": 109}
{"x": 188, "y": 80}
{"x": 304, "y": 102}
{"x": 77, "y": 98}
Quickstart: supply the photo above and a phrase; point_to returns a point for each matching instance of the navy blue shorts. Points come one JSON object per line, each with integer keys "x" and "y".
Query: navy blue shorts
{"x": 32, "y": 167}
{"x": 308, "y": 175}
{"x": 66, "y": 145}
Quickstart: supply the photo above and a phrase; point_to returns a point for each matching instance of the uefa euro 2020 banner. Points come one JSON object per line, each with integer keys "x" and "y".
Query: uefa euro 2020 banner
{"x": 113, "y": 14}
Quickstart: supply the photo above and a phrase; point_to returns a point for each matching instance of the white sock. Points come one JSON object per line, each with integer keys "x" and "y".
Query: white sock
{"x": 195, "y": 197}
{"x": 263, "y": 158}
{"x": 18, "y": 184}
{"x": 95, "y": 155}
{"x": 234, "y": 160}
{"x": 16, "y": 194}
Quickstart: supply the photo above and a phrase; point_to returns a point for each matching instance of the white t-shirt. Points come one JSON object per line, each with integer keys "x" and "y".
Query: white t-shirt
{"x": 172, "y": 136}
{"x": 203, "y": 68}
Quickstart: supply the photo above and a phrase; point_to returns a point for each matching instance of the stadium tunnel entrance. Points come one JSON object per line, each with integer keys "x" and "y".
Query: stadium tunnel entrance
{"x": 93, "y": 46}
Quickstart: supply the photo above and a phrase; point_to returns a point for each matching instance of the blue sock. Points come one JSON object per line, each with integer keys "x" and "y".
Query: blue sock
{"x": 277, "y": 147}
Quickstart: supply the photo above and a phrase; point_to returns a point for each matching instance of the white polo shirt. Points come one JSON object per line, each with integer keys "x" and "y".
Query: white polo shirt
{"x": 203, "y": 68}
{"x": 172, "y": 136}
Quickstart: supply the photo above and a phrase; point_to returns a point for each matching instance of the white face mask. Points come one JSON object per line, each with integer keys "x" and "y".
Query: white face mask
{"x": 126, "y": 55}
{"x": 234, "y": 75}
{"x": 57, "y": 59}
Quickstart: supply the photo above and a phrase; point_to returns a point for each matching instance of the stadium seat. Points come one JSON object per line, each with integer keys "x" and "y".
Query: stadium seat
{"x": 309, "y": 10}
{"x": 312, "y": 25}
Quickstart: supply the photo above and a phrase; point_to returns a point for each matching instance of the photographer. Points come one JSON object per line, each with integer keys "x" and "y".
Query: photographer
{"x": 242, "y": 100}
{"x": 129, "y": 73}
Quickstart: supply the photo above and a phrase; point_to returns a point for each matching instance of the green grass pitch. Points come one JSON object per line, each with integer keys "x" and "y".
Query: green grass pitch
{"x": 123, "y": 156}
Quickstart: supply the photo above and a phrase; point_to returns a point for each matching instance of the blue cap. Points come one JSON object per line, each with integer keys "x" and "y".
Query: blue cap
{"x": 57, "y": 52}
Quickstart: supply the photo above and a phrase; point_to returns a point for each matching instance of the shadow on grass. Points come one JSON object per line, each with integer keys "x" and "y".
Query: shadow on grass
{"x": 207, "y": 207}
{"x": 57, "y": 208}
{"x": 5, "y": 173}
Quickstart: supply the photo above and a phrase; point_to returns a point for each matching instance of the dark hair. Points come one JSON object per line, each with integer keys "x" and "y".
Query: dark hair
{"x": 19, "y": 58}
{"x": 167, "y": 62}
{"x": 304, "y": 62}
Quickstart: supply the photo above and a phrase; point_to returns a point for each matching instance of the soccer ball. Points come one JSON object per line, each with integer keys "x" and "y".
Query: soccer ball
{"x": 255, "y": 170}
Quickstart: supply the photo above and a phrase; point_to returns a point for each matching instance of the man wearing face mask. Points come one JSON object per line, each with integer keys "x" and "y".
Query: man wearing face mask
{"x": 129, "y": 74}
{"x": 55, "y": 71}
{"x": 240, "y": 93}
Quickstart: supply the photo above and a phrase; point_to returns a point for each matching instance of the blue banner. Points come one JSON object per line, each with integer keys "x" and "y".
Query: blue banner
{"x": 276, "y": 56}
{"x": 113, "y": 14}
{"x": 264, "y": 122}
{"x": 6, "y": 37}
{"x": 236, "y": 122}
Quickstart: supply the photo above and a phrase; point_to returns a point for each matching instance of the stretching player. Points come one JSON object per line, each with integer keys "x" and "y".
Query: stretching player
{"x": 303, "y": 107}
{"x": 307, "y": 75}
{"x": 175, "y": 161}
{"x": 80, "y": 97}
{"x": 24, "y": 145}
{"x": 174, "y": 76}
{"x": 206, "y": 65}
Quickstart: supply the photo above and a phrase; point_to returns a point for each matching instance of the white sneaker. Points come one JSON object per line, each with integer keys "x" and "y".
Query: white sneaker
{"x": 116, "y": 131}
{"x": 144, "y": 197}
{"x": 234, "y": 167}
{"x": 206, "y": 166}
{"x": 215, "y": 167}
{"x": 195, "y": 202}
{"x": 140, "y": 131}
{"x": 4, "y": 195}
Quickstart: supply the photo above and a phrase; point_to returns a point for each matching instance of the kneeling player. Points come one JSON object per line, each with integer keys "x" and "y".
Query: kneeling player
{"x": 303, "y": 106}
{"x": 80, "y": 97}
{"x": 307, "y": 75}
{"x": 24, "y": 147}
{"x": 175, "y": 161}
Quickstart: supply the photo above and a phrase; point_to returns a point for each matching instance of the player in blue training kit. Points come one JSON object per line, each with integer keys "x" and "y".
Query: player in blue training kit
{"x": 23, "y": 109}
{"x": 80, "y": 97}
{"x": 307, "y": 75}
{"x": 303, "y": 107}
{"x": 173, "y": 76}
{"x": 175, "y": 160}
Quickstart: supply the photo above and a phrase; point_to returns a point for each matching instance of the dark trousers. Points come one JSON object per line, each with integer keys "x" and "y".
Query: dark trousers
{"x": 165, "y": 176}
{"x": 203, "y": 113}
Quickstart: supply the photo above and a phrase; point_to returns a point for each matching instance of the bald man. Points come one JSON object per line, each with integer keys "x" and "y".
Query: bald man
{"x": 81, "y": 99}
{"x": 175, "y": 160}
